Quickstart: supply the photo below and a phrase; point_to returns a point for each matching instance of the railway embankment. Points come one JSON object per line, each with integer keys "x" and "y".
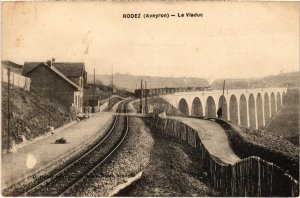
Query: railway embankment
{"x": 251, "y": 176}
{"x": 173, "y": 169}
{"x": 270, "y": 147}
{"x": 32, "y": 115}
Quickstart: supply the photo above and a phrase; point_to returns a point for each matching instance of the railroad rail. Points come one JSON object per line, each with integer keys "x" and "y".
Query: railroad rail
{"x": 68, "y": 177}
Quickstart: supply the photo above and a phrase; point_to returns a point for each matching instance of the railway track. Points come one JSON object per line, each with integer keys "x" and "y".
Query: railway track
{"x": 68, "y": 177}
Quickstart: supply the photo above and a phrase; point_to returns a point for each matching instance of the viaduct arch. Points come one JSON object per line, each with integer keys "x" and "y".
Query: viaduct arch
{"x": 234, "y": 109}
{"x": 252, "y": 108}
{"x": 252, "y": 112}
{"x": 267, "y": 108}
{"x": 224, "y": 107}
{"x": 183, "y": 107}
{"x": 210, "y": 109}
{"x": 243, "y": 110}
{"x": 197, "y": 109}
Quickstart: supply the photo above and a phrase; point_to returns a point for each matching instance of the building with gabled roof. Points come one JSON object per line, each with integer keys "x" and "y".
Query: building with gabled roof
{"x": 74, "y": 71}
{"x": 14, "y": 67}
{"x": 61, "y": 81}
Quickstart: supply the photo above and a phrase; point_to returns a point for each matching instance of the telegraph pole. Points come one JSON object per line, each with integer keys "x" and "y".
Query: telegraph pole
{"x": 146, "y": 95}
{"x": 8, "y": 108}
{"x": 141, "y": 97}
{"x": 49, "y": 114}
{"x": 93, "y": 107}
{"x": 112, "y": 85}
{"x": 112, "y": 81}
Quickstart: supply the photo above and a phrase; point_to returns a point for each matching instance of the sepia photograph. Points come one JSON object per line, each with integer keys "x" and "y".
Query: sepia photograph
{"x": 150, "y": 99}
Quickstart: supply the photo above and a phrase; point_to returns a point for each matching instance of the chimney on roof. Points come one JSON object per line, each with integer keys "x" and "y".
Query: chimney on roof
{"x": 49, "y": 63}
{"x": 53, "y": 60}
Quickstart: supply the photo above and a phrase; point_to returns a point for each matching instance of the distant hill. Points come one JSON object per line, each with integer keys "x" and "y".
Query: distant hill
{"x": 130, "y": 82}
{"x": 282, "y": 80}
{"x": 292, "y": 79}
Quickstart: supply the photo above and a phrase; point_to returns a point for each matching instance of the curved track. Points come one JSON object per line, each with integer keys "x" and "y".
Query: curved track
{"x": 64, "y": 180}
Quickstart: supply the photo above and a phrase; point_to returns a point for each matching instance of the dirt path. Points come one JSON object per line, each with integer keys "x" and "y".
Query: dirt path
{"x": 173, "y": 171}
{"x": 33, "y": 157}
{"x": 213, "y": 137}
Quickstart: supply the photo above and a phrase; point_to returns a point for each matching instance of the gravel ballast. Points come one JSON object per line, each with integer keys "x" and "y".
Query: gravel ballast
{"x": 130, "y": 160}
{"x": 174, "y": 170}
{"x": 148, "y": 164}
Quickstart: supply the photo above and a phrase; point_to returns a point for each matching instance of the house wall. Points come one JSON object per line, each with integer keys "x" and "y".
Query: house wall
{"x": 49, "y": 84}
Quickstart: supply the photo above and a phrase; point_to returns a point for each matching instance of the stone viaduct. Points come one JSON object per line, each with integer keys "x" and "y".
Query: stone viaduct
{"x": 253, "y": 108}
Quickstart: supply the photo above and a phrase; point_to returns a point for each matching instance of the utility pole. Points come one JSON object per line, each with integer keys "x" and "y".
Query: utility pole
{"x": 8, "y": 109}
{"x": 93, "y": 107}
{"x": 112, "y": 85}
{"x": 146, "y": 94}
{"x": 49, "y": 114}
{"x": 112, "y": 80}
{"x": 141, "y": 97}
{"x": 223, "y": 97}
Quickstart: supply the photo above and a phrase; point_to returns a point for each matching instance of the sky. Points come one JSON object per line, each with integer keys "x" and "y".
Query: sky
{"x": 231, "y": 40}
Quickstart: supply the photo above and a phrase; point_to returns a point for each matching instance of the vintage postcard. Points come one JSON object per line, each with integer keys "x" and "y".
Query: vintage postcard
{"x": 157, "y": 98}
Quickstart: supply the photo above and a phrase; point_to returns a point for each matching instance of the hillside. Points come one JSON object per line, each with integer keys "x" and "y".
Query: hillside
{"x": 286, "y": 123}
{"x": 292, "y": 79}
{"x": 130, "y": 82}
{"x": 282, "y": 80}
{"x": 30, "y": 114}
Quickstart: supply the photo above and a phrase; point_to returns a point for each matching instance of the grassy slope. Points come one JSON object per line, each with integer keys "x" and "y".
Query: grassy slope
{"x": 286, "y": 123}
{"x": 247, "y": 142}
{"x": 30, "y": 114}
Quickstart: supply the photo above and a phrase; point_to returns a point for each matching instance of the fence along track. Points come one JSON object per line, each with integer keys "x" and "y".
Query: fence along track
{"x": 251, "y": 176}
{"x": 43, "y": 186}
